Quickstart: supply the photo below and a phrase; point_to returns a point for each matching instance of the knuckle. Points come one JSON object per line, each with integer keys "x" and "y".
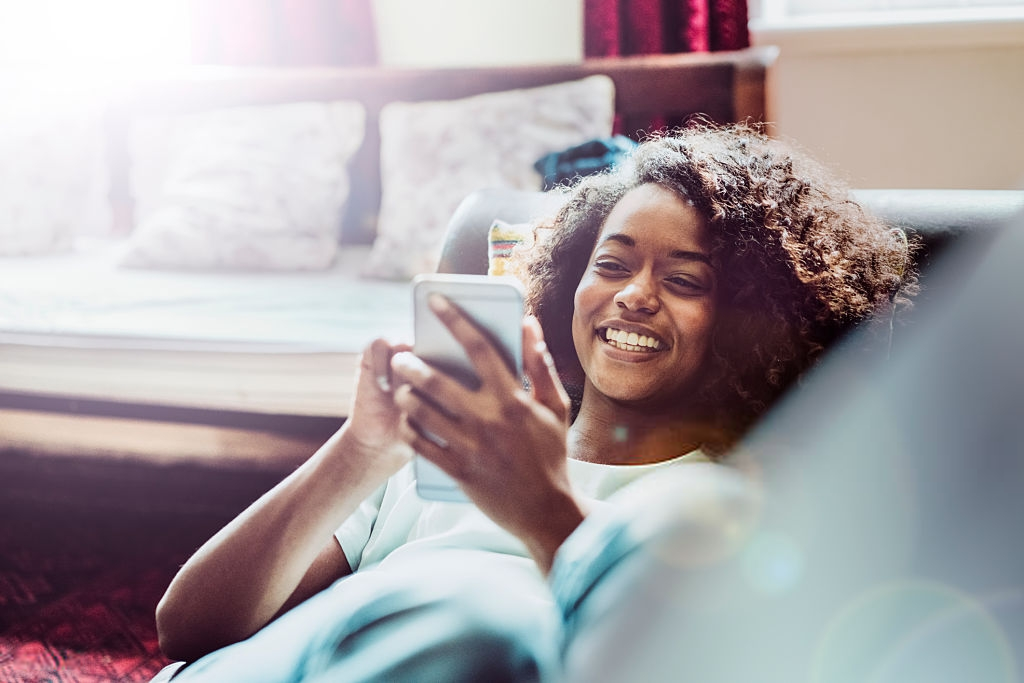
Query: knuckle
{"x": 429, "y": 384}
{"x": 475, "y": 344}
{"x": 516, "y": 411}
{"x": 403, "y": 397}
{"x": 406, "y": 430}
{"x": 456, "y": 468}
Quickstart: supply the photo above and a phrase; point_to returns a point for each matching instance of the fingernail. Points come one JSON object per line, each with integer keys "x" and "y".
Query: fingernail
{"x": 437, "y": 303}
{"x": 545, "y": 354}
{"x": 408, "y": 362}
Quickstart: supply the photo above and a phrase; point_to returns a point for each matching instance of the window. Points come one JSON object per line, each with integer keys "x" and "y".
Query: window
{"x": 115, "y": 34}
{"x": 881, "y": 11}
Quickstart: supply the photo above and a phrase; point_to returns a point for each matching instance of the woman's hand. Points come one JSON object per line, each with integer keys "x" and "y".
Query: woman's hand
{"x": 506, "y": 445}
{"x": 281, "y": 549}
{"x": 373, "y": 422}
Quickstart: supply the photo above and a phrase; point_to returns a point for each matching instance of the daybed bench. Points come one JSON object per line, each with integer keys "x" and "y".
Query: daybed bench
{"x": 169, "y": 364}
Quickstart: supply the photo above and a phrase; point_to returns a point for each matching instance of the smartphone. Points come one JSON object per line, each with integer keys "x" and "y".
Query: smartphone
{"x": 495, "y": 305}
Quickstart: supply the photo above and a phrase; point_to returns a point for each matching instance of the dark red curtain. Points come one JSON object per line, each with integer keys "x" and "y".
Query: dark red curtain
{"x": 283, "y": 32}
{"x": 637, "y": 27}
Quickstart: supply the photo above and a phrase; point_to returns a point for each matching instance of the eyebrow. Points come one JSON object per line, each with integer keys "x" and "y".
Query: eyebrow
{"x": 680, "y": 254}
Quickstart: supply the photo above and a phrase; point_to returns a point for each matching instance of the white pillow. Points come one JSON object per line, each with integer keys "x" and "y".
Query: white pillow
{"x": 53, "y": 181}
{"x": 433, "y": 154}
{"x": 260, "y": 187}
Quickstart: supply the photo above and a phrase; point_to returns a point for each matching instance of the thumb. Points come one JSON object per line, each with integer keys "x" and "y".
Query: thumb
{"x": 539, "y": 367}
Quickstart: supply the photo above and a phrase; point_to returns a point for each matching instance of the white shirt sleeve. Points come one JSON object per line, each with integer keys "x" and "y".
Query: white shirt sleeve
{"x": 354, "y": 532}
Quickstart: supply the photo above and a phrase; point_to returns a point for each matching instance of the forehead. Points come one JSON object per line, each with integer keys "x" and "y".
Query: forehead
{"x": 655, "y": 216}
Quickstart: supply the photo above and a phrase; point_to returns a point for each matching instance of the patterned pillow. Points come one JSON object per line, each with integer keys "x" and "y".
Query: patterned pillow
{"x": 244, "y": 187}
{"x": 433, "y": 154}
{"x": 502, "y": 241}
{"x": 53, "y": 183}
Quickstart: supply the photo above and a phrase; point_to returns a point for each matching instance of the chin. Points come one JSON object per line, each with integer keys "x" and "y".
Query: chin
{"x": 635, "y": 396}
{"x": 644, "y": 395}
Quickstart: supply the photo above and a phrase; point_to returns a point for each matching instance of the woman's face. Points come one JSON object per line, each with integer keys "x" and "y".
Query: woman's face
{"x": 645, "y": 307}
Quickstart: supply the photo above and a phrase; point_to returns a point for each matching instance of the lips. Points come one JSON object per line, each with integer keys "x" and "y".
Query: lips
{"x": 628, "y": 340}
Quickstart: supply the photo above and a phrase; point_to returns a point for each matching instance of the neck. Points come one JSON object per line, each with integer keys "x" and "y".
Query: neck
{"x": 617, "y": 434}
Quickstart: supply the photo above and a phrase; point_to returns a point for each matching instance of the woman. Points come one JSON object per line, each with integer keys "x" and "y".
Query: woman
{"x": 680, "y": 296}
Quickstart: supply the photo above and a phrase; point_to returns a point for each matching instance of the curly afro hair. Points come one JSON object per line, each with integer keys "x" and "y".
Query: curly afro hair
{"x": 800, "y": 263}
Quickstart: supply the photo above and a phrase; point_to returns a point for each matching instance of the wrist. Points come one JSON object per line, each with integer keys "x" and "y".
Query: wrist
{"x": 562, "y": 518}
{"x": 347, "y": 460}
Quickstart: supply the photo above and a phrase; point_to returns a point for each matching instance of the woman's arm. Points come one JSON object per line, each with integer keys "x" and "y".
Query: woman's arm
{"x": 505, "y": 444}
{"x": 281, "y": 549}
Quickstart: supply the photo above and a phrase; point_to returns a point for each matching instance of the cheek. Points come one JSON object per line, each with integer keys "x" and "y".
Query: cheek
{"x": 700, "y": 321}
{"x": 582, "y": 289}
{"x": 580, "y": 327}
{"x": 708, "y": 335}
{"x": 591, "y": 294}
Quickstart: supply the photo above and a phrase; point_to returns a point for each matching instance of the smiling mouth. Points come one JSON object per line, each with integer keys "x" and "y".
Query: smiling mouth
{"x": 629, "y": 341}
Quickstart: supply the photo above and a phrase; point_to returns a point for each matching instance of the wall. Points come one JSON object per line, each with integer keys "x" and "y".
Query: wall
{"x": 918, "y": 105}
{"x": 478, "y": 32}
{"x": 932, "y": 103}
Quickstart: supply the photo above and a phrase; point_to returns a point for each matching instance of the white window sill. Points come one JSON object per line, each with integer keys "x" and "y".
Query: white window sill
{"x": 899, "y": 31}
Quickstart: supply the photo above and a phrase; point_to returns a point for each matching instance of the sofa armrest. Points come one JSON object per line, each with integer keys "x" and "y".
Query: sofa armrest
{"x": 937, "y": 217}
{"x": 465, "y": 245}
{"x": 940, "y": 217}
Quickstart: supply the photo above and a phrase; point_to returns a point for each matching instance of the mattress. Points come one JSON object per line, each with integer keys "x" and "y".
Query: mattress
{"x": 78, "y": 326}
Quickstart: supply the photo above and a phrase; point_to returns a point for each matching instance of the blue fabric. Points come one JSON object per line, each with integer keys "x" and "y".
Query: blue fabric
{"x": 640, "y": 581}
{"x": 584, "y": 159}
{"x": 435, "y": 622}
{"x": 618, "y": 591}
{"x": 447, "y": 622}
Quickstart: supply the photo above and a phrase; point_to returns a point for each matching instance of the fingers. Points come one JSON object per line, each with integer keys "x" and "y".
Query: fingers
{"x": 430, "y": 427}
{"x": 437, "y": 403}
{"x": 489, "y": 363}
{"x": 430, "y": 446}
{"x": 539, "y": 367}
{"x": 377, "y": 362}
{"x": 421, "y": 390}
{"x": 408, "y": 368}
{"x": 380, "y": 364}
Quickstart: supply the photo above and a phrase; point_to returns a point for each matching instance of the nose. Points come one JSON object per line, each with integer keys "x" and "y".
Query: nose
{"x": 639, "y": 294}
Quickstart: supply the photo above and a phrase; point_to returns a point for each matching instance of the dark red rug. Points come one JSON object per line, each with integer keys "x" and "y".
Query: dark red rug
{"x": 86, "y": 551}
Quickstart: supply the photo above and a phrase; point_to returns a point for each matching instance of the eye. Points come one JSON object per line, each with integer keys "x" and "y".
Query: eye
{"x": 609, "y": 267}
{"x": 686, "y": 284}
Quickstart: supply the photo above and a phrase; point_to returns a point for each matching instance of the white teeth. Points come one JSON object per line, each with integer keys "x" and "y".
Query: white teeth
{"x": 630, "y": 341}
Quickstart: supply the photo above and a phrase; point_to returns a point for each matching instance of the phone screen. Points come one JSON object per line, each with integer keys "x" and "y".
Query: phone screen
{"x": 495, "y": 304}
